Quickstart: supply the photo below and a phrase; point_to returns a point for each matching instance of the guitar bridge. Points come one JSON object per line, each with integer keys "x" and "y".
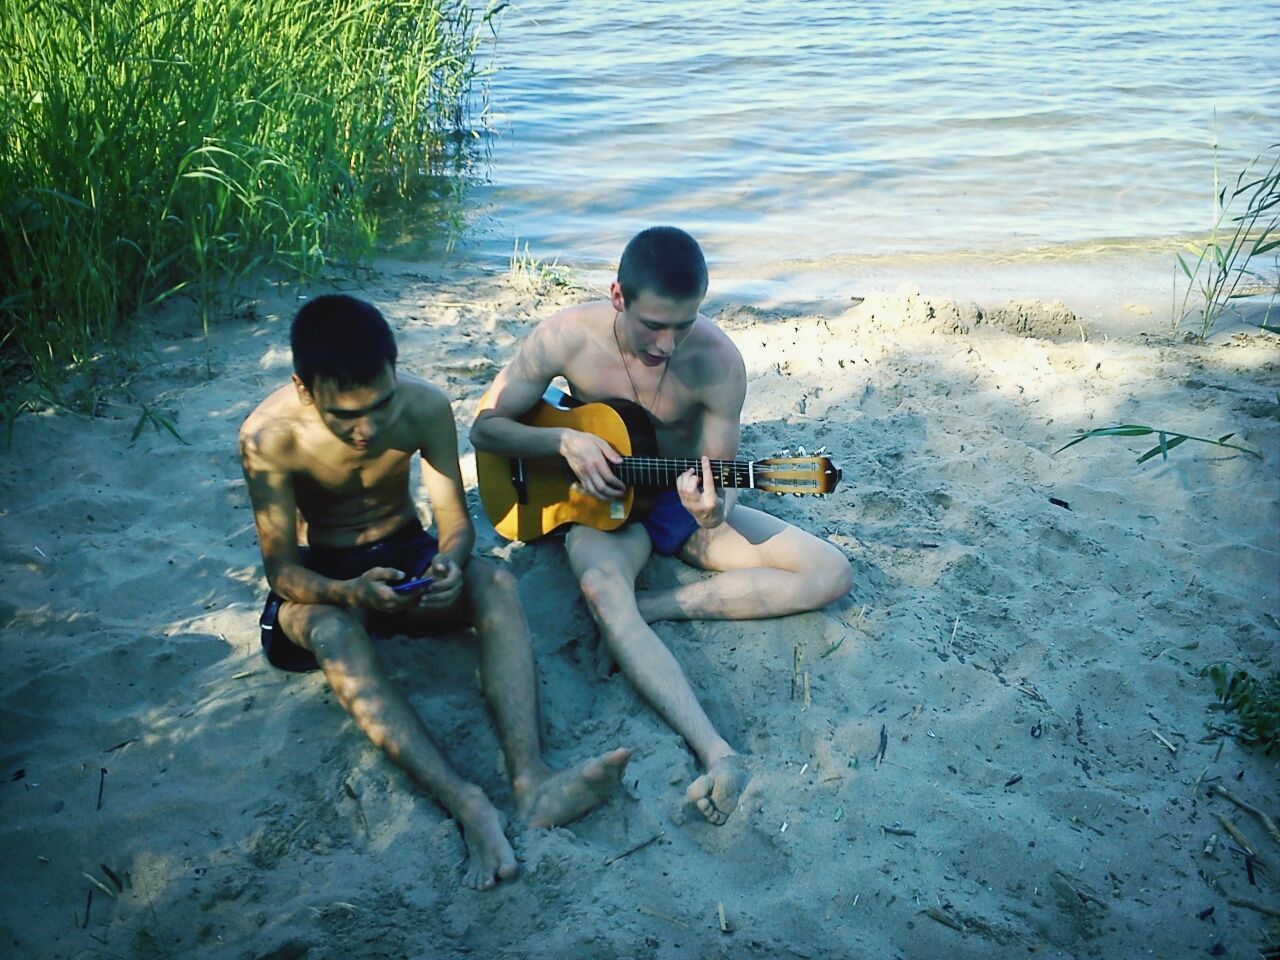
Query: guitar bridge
{"x": 519, "y": 481}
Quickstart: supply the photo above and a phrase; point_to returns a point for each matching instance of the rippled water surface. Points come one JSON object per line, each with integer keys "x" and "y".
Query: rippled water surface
{"x": 797, "y": 134}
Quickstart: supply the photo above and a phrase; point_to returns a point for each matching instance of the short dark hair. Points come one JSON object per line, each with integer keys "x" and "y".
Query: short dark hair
{"x": 663, "y": 260}
{"x": 340, "y": 338}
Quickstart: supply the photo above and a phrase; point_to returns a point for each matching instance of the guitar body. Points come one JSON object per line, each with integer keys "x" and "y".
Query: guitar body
{"x": 527, "y": 498}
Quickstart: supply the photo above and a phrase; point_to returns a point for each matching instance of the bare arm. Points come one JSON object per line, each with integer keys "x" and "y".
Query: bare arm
{"x": 275, "y": 515}
{"x": 721, "y": 431}
{"x": 519, "y": 386}
{"x": 443, "y": 481}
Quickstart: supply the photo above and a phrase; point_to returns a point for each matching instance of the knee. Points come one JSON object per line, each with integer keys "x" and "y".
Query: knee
{"x": 335, "y": 638}
{"x": 345, "y": 653}
{"x": 600, "y": 589}
{"x": 486, "y": 580}
{"x": 831, "y": 576}
{"x": 491, "y": 592}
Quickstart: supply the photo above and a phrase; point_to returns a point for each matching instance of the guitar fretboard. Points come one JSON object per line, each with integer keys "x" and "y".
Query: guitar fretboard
{"x": 662, "y": 471}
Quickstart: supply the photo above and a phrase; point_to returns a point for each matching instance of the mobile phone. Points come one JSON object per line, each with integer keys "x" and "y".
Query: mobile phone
{"x": 412, "y": 585}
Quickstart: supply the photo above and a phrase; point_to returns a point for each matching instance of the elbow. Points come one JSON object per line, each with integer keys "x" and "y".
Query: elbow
{"x": 479, "y": 435}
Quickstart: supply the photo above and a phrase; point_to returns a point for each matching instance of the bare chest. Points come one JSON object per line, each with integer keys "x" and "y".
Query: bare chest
{"x": 674, "y": 409}
{"x": 327, "y": 487}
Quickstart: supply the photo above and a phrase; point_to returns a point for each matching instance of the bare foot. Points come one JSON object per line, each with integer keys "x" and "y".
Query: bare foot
{"x": 567, "y": 794}
{"x": 489, "y": 855}
{"x": 716, "y": 792}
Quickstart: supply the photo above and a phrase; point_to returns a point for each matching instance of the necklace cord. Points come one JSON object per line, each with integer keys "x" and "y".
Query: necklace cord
{"x": 627, "y": 369}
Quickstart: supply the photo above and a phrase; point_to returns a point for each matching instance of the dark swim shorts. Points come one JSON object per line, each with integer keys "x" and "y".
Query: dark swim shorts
{"x": 669, "y": 524}
{"x": 410, "y": 549}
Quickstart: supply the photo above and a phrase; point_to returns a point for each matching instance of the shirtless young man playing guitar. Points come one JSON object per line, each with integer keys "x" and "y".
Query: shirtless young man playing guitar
{"x": 326, "y": 458}
{"x": 649, "y": 343}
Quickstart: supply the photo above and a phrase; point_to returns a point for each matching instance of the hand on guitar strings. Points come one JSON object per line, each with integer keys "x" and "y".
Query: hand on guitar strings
{"x": 591, "y": 459}
{"x": 698, "y": 494}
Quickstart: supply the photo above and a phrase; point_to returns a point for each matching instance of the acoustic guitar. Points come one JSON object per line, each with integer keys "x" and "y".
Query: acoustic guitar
{"x": 526, "y": 498}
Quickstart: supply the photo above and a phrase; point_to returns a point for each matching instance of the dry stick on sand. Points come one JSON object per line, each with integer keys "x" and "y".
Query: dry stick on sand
{"x": 946, "y": 919}
{"x": 632, "y": 849}
{"x": 661, "y": 916}
{"x": 1251, "y": 905}
{"x": 1239, "y": 838}
{"x": 1265, "y": 820}
{"x": 1172, "y": 748}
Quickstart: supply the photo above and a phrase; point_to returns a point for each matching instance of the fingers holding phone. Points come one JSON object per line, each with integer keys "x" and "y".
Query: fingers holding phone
{"x": 446, "y": 584}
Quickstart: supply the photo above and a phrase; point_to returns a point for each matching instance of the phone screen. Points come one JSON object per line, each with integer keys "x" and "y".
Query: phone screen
{"x": 410, "y": 586}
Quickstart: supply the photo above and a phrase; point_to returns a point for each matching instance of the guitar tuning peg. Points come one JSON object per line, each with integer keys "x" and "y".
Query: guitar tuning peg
{"x": 786, "y": 452}
{"x": 820, "y": 451}
{"x": 800, "y": 452}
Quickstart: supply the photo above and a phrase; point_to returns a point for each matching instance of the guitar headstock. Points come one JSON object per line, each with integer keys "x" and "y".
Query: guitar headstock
{"x": 798, "y": 475}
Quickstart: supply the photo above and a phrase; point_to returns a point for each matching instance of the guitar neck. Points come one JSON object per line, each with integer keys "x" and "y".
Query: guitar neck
{"x": 662, "y": 471}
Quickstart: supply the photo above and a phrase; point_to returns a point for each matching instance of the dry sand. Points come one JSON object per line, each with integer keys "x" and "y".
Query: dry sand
{"x": 1031, "y": 667}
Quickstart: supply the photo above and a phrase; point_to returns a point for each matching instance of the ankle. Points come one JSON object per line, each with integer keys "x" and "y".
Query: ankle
{"x": 714, "y": 754}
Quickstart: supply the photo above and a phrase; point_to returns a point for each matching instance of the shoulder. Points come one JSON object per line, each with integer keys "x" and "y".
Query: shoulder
{"x": 269, "y": 436}
{"x": 718, "y": 360}
{"x": 567, "y": 331}
{"x": 421, "y": 398}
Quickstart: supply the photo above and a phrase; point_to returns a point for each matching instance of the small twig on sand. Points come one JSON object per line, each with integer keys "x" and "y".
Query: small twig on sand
{"x": 661, "y": 916}
{"x": 1172, "y": 748}
{"x": 102, "y": 782}
{"x": 1239, "y": 837}
{"x": 1251, "y": 905}
{"x": 632, "y": 849}
{"x": 1262, "y": 817}
{"x": 899, "y": 831}
{"x": 795, "y": 670}
{"x": 884, "y": 745}
{"x": 946, "y": 919}
{"x": 724, "y": 924}
{"x": 100, "y": 885}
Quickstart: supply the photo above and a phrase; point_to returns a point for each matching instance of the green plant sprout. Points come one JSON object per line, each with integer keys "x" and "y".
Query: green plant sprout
{"x": 1168, "y": 439}
{"x": 1254, "y": 703}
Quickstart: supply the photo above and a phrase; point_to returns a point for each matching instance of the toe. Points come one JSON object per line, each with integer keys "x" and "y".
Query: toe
{"x": 700, "y": 789}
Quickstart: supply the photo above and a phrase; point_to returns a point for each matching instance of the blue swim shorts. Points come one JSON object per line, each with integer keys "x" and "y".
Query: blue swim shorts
{"x": 410, "y": 549}
{"x": 669, "y": 524}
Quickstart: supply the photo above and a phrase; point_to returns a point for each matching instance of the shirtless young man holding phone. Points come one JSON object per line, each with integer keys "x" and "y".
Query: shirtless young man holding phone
{"x": 326, "y": 458}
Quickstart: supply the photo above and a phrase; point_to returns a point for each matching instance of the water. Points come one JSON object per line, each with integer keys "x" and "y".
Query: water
{"x": 804, "y": 141}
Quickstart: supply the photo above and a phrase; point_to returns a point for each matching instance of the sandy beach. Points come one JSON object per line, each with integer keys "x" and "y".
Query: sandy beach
{"x": 1000, "y": 744}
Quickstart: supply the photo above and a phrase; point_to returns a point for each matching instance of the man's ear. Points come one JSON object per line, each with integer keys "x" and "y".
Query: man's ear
{"x": 304, "y": 395}
{"x": 615, "y": 295}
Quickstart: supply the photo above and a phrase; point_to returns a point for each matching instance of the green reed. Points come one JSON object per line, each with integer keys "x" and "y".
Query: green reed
{"x": 158, "y": 147}
{"x": 1228, "y": 265}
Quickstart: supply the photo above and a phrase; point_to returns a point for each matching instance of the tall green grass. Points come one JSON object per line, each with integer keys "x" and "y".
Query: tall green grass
{"x": 1233, "y": 262}
{"x": 158, "y": 147}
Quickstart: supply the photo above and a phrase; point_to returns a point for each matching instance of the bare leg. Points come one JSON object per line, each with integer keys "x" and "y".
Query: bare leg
{"x": 544, "y": 798}
{"x": 606, "y": 565}
{"x": 770, "y": 569}
{"x": 340, "y": 643}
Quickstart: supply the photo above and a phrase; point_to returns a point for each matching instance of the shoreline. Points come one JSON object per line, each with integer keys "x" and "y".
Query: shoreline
{"x": 1112, "y": 292}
